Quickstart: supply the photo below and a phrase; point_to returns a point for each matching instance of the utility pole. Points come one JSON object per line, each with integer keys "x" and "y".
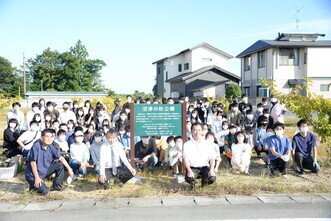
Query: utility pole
{"x": 24, "y": 76}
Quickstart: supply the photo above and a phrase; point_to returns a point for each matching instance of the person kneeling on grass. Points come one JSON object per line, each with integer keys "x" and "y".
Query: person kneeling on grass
{"x": 241, "y": 154}
{"x": 111, "y": 156}
{"x": 199, "y": 158}
{"x": 40, "y": 166}
{"x": 304, "y": 149}
{"x": 280, "y": 148}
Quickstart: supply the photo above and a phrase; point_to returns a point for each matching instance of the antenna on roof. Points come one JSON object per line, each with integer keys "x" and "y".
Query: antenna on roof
{"x": 297, "y": 17}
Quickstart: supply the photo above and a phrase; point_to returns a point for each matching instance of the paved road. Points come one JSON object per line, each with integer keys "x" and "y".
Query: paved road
{"x": 261, "y": 207}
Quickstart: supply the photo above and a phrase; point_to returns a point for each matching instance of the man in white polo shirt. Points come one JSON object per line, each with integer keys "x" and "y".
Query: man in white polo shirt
{"x": 111, "y": 155}
{"x": 199, "y": 159}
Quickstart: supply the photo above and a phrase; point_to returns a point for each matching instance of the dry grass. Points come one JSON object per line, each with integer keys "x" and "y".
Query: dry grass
{"x": 161, "y": 183}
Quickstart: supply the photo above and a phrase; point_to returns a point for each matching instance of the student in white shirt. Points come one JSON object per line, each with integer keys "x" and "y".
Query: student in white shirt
{"x": 213, "y": 141}
{"x": 67, "y": 114}
{"x": 241, "y": 154}
{"x": 17, "y": 114}
{"x": 27, "y": 139}
{"x": 63, "y": 144}
{"x": 199, "y": 158}
{"x": 31, "y": 114}
{"x": 111, "y": 156}
{"x": 176, "y": 156}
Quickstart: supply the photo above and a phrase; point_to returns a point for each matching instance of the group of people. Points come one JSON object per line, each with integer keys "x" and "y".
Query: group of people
{"x": 75, "y": 138}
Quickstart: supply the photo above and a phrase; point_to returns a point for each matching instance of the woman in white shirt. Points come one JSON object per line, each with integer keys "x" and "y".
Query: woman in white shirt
{"x": 241, "y": 154}
{"x": 213, "y": 141}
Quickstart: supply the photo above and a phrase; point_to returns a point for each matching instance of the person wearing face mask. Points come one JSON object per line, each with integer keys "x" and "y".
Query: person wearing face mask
{"x": 89, "y": 133}
{"x": 304, "y": 149}
{"x": 259, "y": 135}
{"x": 277, "y": 110}
{"x": 55, "y": 114}
{"x": 195, "y": 117}
{"x": 170, "y": 101}
{"x": 16, "y": 114}
{"x": 10, "y": 136}
{"x": 203, "y": 110}
{"x": 26, "y": 140}
{"x": 91, "y": 116}
{"x": 80, "y": 116}
{"x": 266, "y": 113}
{"x": 217, "y": 125}
{"x": 75, "y": 107}
{"x": 37, "y": 117}
{"x": 71, "y": 138}
{"x": 67, "y": 114}
{"x": 103, "y": 115}
{"x": 189, "y": 111}
{"x": 222, "y": 134}
{"x": 244, "y": 103}
{"x": 234, "y": 101}
{"x": 248, "y": 121}
{"x": 128, "y": 102}
{"x": 234, "y": 115}
{"x": 80, "y": 155}
{"x": 125, "y": 141}
{"x": 63, "y": 146}
{"x": 145, "y": 153}
{"x": 228, "y": 141}
{"x": 48, "y": 122}
{"x": 122, "y": 121}
{"x": 170, "y": 143}
{"x": 95, "y": 150}
{"x": 188, "y": 130}
{"x": 30, "y": 115}
{"x": 279, "y": 150}
{"x": 176, "y": 156}
{"x": 42, "y": 105}
{"x": 265, "y": 103}
{"x": 210, "y": 137}
{"x": 258, "y": 112}
{"x": 212, "y": 118}
{"x": 265, "y": 158}
{"x": 241, "y": 154}
{"x": 56, "y": 125}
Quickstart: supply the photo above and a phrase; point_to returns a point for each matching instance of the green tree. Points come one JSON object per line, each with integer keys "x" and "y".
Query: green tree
{"x": 10, "y": 80}
{"x": 231, "y": 90}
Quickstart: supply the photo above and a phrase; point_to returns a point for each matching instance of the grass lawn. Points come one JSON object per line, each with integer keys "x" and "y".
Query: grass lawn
{"x": 162, "y": 183}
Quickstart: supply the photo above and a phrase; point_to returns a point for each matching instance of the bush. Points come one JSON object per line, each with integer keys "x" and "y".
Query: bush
{"x": 231, "y": 90}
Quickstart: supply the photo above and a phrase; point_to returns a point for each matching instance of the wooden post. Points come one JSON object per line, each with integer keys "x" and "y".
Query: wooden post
{"x": 184, "y": 133}
{"x": 132, "y": 134}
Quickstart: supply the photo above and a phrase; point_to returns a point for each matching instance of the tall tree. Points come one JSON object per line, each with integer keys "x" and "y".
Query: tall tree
{"x": 10, "y": 80}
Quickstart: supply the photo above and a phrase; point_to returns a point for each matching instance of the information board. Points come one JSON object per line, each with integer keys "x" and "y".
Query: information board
{"x": 157, "y": 119}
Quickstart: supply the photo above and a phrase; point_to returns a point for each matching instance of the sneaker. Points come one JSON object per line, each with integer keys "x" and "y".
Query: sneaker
{"x": 300, "y": 171}
{"x": 285, "y": 176}
{"x": 267, "y": 166}
{"x": 80, "y": 175}
{"x": 69, "y": 180}
{"x": 106, "y": 185}
{"x": 58, "y": 187}
{"x": 74, "y": 178}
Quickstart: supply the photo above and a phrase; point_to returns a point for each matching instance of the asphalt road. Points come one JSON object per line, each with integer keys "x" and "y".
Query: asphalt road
{"x": 295, "y": 211}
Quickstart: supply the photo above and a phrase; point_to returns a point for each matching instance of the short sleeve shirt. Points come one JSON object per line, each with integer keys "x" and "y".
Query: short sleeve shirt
{"x": 43, "y": 158}
{"x": 304, "y": 144}
{"x": 281, "y": 146}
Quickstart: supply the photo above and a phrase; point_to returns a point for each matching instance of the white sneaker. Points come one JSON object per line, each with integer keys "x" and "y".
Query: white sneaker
{"x": 285, "y": 176}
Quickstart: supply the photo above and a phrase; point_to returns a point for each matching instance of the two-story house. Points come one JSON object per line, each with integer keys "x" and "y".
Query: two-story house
{"x": 287, "y": 60}
{"x": 193, "y": 71}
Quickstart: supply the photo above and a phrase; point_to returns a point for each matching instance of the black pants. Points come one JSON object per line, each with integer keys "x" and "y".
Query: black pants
{"x": 258, "y": 152}
{"x": 278, "y": 164}
{"x": 123, "y": 174}
{"x": 55, "y": 167}
{"x": 200, "y": 173}
{"x": 304, "y": 162}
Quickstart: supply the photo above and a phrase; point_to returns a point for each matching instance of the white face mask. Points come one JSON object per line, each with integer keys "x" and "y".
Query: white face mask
{"x": 219, "y": 118}
{"x": 190, "y": 110}
{"x": 279, "y": 133}
{"x": 250, "y": 116}
{"x": 48, "y": 118}
{"x": 179, "y": 145}
{"x": 172, "y": 144}
{"x": 245, "y": 99}
{"x": 50, "y": 109}
{"x": 269, "y": 134}
{"x": 79, "y": 139}
{"x": 194, "y": 115}
{"x": 70, "y": 126}
{"x": 122, "y": 132}
{"x": 12, "y": 125}
{"x": 80, "y": 113}
{"x": 304, "y": 129}
{"x": 204, "y": 131}
{"x": 211, "y": 140}
{"x": 233, "y": 131}
{"x": 260, "y": 109}
{"x": 34, "y": 128}
{"x": 145, "y": 140}
{"x": 235, "y": 108}
{"x": 267, "y": 115}
{"x": 97, "y": 139}
{"x": 225, "y": 127}
{"x": 123, "y": 118}
{"x": 62, "y": 138}
{"x": 38, "y": 119}
{"x": 240, "y": 139}
{"x": 128, "y": 134}
{"x": 35, "y": 109}
{"x": 127, "y": 111}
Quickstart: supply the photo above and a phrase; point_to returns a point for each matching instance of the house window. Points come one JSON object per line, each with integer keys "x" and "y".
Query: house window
{"x": 207, "y": 59}
{"x": 179, "y": 67}
{"x": 166, "y": 75}
{"x": 247, "y": 91}
{"x": 261, "y": 60}
{"x": 262, "y": 91}
{"x": 324, "y": 87}
{"x": 186, "y": 66}
{"x": 305, "y": 58}
{"x": 288, "y": 57}
{"x": 247, "y": 63}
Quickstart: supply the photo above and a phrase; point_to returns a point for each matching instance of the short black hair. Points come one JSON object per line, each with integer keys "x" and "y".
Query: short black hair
{"x": 13, "y": 120}
{"x": 78, "y": 128}
{"x": 177, "y": 138}
{"x": 302, "y": 121}
{"x": 259, "y": 105}
{"x": 35, "y": 104}
{"x": 196, "y": 124}
{"x": 33, "y": 122}
{"x": 250, "y": 111}
{"x": 49, "y": 103}
{"x": 278, "y": 124}
{"x": 111, "y": 131}
{"x": 61, "y": 132}
{"x": 170, "y": 138}
{"x": 243, "y": 133}
{"x": 16, "y": 103}
{"x": 45, "y": 131}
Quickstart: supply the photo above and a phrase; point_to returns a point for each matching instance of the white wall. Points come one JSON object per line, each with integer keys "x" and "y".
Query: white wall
{"x": 319, "y": 62}
{"x": 204, "y": 52}
{"x": 317, "y": 88}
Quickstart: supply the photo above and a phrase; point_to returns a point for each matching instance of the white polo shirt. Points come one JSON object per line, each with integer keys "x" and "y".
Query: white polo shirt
{"x": 198, "y": 154}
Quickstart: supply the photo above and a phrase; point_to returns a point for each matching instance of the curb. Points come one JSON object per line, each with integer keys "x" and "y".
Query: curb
{"x": 167, "y": 201}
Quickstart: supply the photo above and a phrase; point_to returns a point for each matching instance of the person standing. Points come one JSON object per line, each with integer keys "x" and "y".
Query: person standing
{"x": 277, "y": 110}
{"x": 16, "y": 114}
{"x": 199, "y": 159}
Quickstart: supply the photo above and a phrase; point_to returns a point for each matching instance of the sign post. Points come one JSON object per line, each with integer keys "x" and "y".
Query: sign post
{"x": 156, "y": 120}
